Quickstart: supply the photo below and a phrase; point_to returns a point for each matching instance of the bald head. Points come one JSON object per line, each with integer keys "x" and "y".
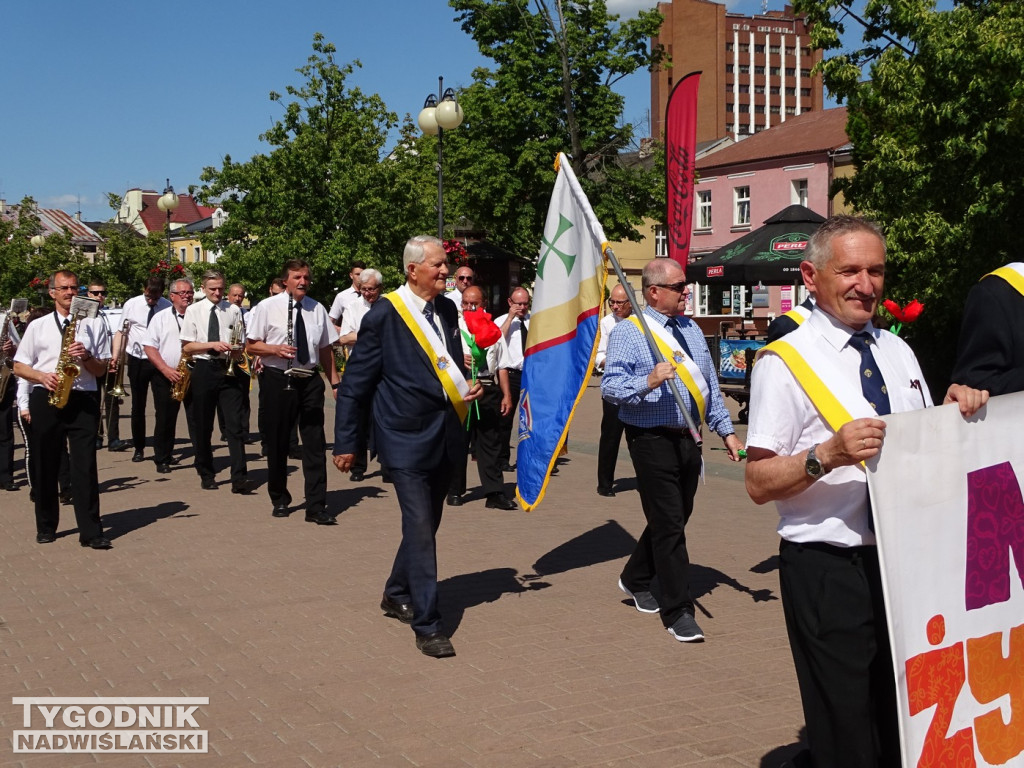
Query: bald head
{"x": 618, "y": 302}
{"x": 472, "y": 299}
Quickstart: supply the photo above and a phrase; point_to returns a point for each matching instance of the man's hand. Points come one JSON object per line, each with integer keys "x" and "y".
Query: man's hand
{"x": 968, "y": 398}
{"x": 734, "y": 446}
{"x": 856, "y": 441}
{"x": 219, "y": 347}
{"x": 474, "y": 392}
{"x": 343, "y": 461}
{"x": 172, "y": 375}
{"x": 506, "y": 405}
{"x": 661, "y": 373}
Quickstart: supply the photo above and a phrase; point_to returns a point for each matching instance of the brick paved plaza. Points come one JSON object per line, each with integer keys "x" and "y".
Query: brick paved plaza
{"x": 277, "y": 622}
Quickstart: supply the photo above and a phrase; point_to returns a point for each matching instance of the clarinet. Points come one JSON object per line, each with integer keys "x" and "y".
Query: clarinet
{"x": 291, "y": 305}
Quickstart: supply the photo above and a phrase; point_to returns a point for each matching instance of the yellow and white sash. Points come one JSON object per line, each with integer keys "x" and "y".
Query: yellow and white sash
{"x": 798, "y": 314}
{"x": 685, "y": 367}
{"x": 1012, "y": 273}
{"x": 446, "y": 370}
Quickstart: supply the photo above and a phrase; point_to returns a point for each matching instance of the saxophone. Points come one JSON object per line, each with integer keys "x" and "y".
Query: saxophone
{"x": 6, "y": 369}
{"x": 67, "y": 370}
{"x": 180, "y": 388}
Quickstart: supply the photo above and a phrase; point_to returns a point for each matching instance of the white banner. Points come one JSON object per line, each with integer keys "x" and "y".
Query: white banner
{"x": 949, "y": 516}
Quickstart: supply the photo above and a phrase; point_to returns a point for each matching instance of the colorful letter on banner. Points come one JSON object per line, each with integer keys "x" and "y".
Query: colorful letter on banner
{"x": 949, "y": 516}
{"x": 680, "y": 164}
{"x": 562, "y": 339}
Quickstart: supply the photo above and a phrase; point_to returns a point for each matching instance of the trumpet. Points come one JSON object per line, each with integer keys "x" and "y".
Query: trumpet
{"x": 237, "y": 335}
{"x": 117, "y": 390}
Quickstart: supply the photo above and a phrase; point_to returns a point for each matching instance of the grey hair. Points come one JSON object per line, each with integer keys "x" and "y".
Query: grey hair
{"x": 211, "y": 274}
{"x": 369, "y": 274}
{"x": 179, "y": 281}
{"x": 819, "y": 247}
{"x": 414, "y": 248}
{"x": 656, "y": 272}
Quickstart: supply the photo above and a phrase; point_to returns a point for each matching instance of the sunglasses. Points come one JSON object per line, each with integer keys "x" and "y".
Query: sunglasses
{"x": 97, "y": 293}
{"x": 679, "y": 287}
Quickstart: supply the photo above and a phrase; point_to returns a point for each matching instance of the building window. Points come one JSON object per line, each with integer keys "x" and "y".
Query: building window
{"x": 744, "y": 69}
{"x": 181, "y": 257}
{"x": 805, "y": 73}
{"x": 744, "y": 88}
{"x": 660, "y": 241}
{"x": 728, "y": 69}
{"x": 790, "y": 51}
{"x": 744, "y": 109}
{"x": 774, "y": 90}
{"x": 197, "y": 253}
{"x": 728, "y": 107}
{"x": 790, "y": 91}
{"x": 805, "y": 51}
{"x": 758, "y": 128}
{"x": 805, "y": 91}
{"x": 790, "y": 110}
{"x": 729, "y": 127}
{"x": 758, "y": 70}
{"x": 704, "y": 209}
{"x": 759, "y": 89}
{"x": 775, "y": 109}
{"x": 741, "y": 213}
{"x": 773, "y": 49}
{"x": 790, "y": 71}
{"x": 775, "y": 71}
{"x": 759, "y": 48}
{"x": 799, "y": 194}
{"x": 744, "y": 48}
{"x": 744, "y": 129}
{"x": 759, "y": 109}
{"x": 728, "y": 47}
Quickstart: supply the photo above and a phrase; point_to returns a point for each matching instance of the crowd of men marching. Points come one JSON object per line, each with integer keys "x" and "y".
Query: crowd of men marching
{"x": 425, "y": 366}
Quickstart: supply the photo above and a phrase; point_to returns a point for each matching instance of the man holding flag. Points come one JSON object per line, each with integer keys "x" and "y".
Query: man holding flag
{"x": 665, "y": 456}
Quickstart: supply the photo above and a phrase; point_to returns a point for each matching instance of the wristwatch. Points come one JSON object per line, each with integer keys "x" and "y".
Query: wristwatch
{"x": 812, "y": 466}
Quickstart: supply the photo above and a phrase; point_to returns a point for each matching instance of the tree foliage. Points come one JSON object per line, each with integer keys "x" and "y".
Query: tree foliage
{"x": 325, "y": 192}
{"x": 937, "y": 129}
{"x": 550, "y": 90}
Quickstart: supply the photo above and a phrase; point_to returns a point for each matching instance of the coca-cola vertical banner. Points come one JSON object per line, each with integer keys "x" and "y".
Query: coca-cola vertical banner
{"x": 680, "y": 162}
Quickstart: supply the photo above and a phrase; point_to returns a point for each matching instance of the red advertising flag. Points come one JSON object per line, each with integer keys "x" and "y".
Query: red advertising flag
{"x": 680, "y": 161}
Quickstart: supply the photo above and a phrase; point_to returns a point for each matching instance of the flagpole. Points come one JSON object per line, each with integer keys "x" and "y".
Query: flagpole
{"x": 673, "y": 383}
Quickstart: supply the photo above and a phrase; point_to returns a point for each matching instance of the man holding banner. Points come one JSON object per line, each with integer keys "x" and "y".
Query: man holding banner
{"x": 408, "y": 365}
{"x": 815, "y": 401}
{"x": 666, "y": 458}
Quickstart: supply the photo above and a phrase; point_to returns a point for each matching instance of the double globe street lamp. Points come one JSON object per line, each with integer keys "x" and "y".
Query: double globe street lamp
{"x": 168, "y": 202}
{"x": 439, "y": 114}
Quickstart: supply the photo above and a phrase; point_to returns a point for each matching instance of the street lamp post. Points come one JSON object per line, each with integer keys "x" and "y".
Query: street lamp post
{"x": 168, "y": 202}
{"x": 439, "y": 114}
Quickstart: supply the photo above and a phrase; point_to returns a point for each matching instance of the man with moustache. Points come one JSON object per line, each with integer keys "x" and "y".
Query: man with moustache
{"x": 611, "y": 426}
{"x": 836, "y": 364}
{"x": 514, "y": 326}
{"x": 206, "y": 335}
{"x": 292, "y": 383}
{"x": 408, "y": 365}
{"x": 76, "y": 423}
{"x": 162, "y": 346}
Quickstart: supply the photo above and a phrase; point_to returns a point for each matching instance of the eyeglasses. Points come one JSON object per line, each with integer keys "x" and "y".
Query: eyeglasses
{"x": 97, "y": 293}
{"x": 470, "y": 307}
{"x": 617, "y": 303}
{"x": 464, "y": 277}
{"x": 679, "y": 287}
{"x": 183, "y": 293}
{"x": 72, "y": 288}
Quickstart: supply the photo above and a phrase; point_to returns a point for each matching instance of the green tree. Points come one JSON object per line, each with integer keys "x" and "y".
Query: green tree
{"x": 325, "y": 192}
{"x": 936, "y": 129}
{"x": 549, "y": 91}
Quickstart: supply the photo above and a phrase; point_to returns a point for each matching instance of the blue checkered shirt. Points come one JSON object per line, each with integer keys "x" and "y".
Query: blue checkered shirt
{"x": 630, "y": 361}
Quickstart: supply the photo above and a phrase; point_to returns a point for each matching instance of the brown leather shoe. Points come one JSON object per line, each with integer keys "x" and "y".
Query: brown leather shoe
{"x": 435, "y": 645}
{"x": 393, "y": 610}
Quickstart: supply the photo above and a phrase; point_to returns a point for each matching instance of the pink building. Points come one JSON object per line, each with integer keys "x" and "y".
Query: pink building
{"x": 742, "y": 185}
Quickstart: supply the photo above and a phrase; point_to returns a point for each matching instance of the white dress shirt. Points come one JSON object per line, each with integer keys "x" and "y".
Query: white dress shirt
{"x": 269, "y": 323}
{"x": 136, "y": 310}
{"x": 40, "y": 346}
{"x": 197, "y": 322}
{"x": 164, "y": 334}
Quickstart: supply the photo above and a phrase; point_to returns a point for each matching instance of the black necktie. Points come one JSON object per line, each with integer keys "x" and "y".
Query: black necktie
{"x": 428, "y": 312}
{"x": 67, "y": 322}
{"x": 522, "y": 335}
{"x": 871, "y": 382}
{"x": 302, "y": 353}
{"x": 213, "y": 329}
{"x": 677, "y": 333}
{"x": 152, "y": 311}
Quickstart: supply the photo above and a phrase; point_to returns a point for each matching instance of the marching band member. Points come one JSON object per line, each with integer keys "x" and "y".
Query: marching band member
{"x": 292, "y": 333}
{"x": 206, "y": 334}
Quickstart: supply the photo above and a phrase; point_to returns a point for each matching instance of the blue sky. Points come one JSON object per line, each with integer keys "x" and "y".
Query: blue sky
{"x": 99, "y": 97}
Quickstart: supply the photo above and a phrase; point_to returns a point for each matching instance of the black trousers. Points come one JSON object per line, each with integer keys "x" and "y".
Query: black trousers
{"x": 515, "y": 380}
{"x": 8, "y": 408}
{"x": 112, "y": 420}
{"x": 302, "y": 404}
{"x": 63, "y": 473}
{"x": 488, "y": 440}
{"x": 667, "y": 465}
{"x": 211, "y": 386}
{"x": 166, "y": 419}
{"x": 141, "y": 374}
{"x": 608, "y": 447}
{"x": 413, "y": 578}
{"x": 261, "y": 424}
{"x": 76, "y": 423}
{"x": 835, "y": 616}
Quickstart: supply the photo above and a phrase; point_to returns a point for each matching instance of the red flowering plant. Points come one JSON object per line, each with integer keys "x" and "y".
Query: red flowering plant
{"x": 39, "y": 283}
{"x": 168, "y": 271}
{"x": 901, "y": 315}
{"x": 457, "y": 254}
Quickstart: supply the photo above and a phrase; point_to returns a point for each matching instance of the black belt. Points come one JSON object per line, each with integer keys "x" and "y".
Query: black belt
{"x": 673, "y": 433}
{"x": 211, "y": 361}
{"x": 846, "y": 553}
{"x": 514, "y": 373}
{"x": 487, "y": 381}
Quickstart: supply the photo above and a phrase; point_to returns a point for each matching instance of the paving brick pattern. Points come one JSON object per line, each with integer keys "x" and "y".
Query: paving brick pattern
{"x": 277, "y": 622}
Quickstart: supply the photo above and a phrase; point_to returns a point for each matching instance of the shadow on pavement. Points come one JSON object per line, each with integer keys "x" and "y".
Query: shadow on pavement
{"x": 457, "y": 593}
{"x": 790, "y": 756}
{"x": 119, "y": 524}
{"x": 598, "y": 545}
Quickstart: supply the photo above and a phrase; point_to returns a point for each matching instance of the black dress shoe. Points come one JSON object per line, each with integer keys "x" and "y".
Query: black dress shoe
{"x": 99, "y": 443}
{"x": 45, "y": 538}
{"x": 174, "y": 460}
{"x": 395, "y": 610}
{"x": 499, "y": 501}
{"x": 506, "y": 467}
{"x": 138, "y": 456}
{"x": 357, "y": 477}
{"x": 9, "y": 486}
{"x": 454, "y": 500}
{"x": 116, "y": 446}
{"x": 244, "y": 489}
{"x": 605, "y": 492}
{"x": 100, "y": 542}
{"x": 280, "y": 510}
{"x": 209, "y": 484}
{"x": 435, "y": 645}
{"x": 163, "y": 469}
{"x": 322, "y": 519}
{"x": 65, "y": 498}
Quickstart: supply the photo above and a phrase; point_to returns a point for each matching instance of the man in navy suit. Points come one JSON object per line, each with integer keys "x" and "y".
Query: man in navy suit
{"x": 408, "y": 364}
